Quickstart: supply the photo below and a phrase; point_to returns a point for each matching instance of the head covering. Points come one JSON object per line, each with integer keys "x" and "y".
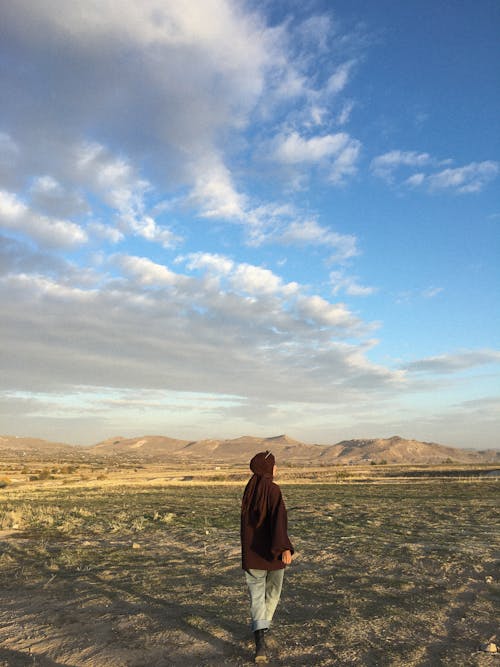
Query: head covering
{"x": 263, "y": 463}
{"x": 255, "y": 496}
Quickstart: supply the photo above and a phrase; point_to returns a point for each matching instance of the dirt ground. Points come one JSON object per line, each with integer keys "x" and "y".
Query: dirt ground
{"x": 96, "y": 575}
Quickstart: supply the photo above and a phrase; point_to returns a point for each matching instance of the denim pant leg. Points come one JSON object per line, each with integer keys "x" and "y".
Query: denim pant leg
{"x": 274, "y": 584}
{"x": 265, "y": 589}
{"x": 256, "y": 582}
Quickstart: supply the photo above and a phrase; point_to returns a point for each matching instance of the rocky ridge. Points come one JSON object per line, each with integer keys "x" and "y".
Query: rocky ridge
{"x": 396, "y": 450}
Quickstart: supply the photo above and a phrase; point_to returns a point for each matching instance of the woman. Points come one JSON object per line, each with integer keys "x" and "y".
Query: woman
{"x": 265, "y": 547}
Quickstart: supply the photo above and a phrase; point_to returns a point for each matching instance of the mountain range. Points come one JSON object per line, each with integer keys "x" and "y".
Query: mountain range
{"x": 239, "y": 450}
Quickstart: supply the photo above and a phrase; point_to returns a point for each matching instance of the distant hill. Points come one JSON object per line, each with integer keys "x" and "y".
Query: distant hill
{"x": 398, "y": 450}
{"x": 394, "y": 450}
{"x": 17, "y": 444}
{"x": 242, "y": 449}
{"x": 148, "y": 445}
{"x": 287, "y": 450}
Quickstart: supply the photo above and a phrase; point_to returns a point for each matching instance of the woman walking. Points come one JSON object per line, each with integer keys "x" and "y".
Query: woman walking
{"x": 265, "y": 547}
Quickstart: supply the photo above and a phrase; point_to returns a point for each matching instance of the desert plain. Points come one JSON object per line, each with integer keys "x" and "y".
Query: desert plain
{"x": 112, "y": 562}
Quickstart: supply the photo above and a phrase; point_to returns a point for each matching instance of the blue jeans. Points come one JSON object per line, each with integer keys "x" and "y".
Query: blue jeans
{"x": 265, "y": 590}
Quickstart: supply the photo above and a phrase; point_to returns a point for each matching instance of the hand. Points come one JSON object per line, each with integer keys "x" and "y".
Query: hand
{"x": 286, "y": 557}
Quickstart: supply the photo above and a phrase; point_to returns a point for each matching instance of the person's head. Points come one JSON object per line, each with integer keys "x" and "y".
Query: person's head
{"x": 263, "y": 463}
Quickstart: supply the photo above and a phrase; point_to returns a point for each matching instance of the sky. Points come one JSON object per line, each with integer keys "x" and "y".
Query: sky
{"x": 226, "y": 217}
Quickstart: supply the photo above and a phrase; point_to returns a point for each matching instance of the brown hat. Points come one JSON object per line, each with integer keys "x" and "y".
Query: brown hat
{"x": 262, "y": 463}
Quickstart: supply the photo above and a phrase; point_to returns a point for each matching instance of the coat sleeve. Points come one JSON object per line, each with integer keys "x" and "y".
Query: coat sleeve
{"x": 280, "y": 541}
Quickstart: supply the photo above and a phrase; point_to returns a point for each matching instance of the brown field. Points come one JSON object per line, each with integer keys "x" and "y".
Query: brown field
{"x": 109, "y": 563}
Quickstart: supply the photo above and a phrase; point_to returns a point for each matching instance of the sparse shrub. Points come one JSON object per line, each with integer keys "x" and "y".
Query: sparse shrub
{"x": 139, "y": 523}
{"x": 68, "y": 469}
{"x": 11, "y": 519}
{"x": 45, "y": 474}
{"x": 168, "y": 517}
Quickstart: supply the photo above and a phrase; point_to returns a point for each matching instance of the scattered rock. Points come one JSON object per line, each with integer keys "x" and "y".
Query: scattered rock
{"x": 489, "y": 579}
{"x": 490, "y": 647}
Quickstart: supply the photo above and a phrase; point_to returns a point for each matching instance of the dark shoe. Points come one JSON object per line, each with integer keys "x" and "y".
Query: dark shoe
{"x": 260, "y": 646}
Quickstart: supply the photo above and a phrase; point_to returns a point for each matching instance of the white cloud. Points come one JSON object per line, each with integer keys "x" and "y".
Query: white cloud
{"x": 115, "y": 180}
{"x": 344, "y": 164}
{"x": 215, "y": 194}
{"x": 431, "y": 292}
{"x": 310, "y": 232}
{"x": 315, "y": 30}
{"x": 463, "y": 180}
{"x": 234, "y": 67}
{"x": 345, "y": 112}
{"x": 349, "y": 284}
{"x": 211, "y": 262}
{"x": 246, "y": 278}
{"x": 50, "y": 197}
{"x": 454, "y": 363}
{"x": 337, "y": 153}
{"x": 171, "y": 77}
{"x": 317, "y": 115}
{"x": 415, "y": 180}
{"x": 259, "y": 281}
{"x": 470, "y": 178}
{"x": 276, "y": 340}
{"x": 294, "y": 149}
{"x": 338, "y": 80}
{"x": 20, "y": 256}
{"x": 40, "y": 286}
{"x": 105, "y": 232}
{"x": 384, "y": 165}
{"x": 15, "y": 215}
{"x": 323, "y": 313}
{"x": 147, "y": 272}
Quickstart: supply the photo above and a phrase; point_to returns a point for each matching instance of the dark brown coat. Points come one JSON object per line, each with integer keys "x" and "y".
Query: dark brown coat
{"x": 261, "y": 547}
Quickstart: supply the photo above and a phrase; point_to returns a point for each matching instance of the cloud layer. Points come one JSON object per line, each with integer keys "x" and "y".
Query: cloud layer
{"x": 175, "y": 230}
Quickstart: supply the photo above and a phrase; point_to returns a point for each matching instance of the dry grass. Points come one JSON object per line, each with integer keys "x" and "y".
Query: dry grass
{"x": 393, "y": 574}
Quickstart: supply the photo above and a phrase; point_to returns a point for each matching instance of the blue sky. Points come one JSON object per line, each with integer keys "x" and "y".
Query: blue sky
{"x": 229, "y": 217}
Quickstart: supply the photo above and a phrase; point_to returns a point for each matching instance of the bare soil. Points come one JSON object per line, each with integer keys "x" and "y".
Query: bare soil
{"x": 147, "y": 573}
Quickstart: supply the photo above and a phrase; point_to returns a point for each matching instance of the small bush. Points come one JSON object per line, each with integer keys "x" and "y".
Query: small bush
{"x": 68, "y": 469}
{"x": 11, "y": 519}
